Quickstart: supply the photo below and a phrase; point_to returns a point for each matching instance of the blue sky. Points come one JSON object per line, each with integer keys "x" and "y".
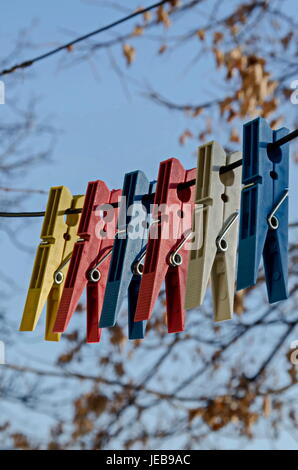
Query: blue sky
{"x": 107, "y": 126}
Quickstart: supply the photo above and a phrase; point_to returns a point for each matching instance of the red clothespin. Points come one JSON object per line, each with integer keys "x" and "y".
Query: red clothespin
{"x": 89, "y": 264}
{"x": 166, "y": 253}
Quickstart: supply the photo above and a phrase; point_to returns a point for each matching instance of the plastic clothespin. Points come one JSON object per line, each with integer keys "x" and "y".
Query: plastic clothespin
{"x": 264, "y": 209}
{"x": 90, "y": 259}
{"x": 215, "y": 225}
{"x": 166, "y": 253}
{"x": 124, "y": 274}
{"x": 58, "y": 238}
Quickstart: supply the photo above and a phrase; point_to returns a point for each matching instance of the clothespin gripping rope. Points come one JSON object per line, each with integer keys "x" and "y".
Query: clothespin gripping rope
{"x": 221, "y": 242}
{"x": 270, "y": 147}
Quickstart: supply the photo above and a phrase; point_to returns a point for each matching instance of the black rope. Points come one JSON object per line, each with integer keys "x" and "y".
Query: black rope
{"x": 231, "y": 166}
{"x": 224, "y": 169}
{"x": 283, "y": 140}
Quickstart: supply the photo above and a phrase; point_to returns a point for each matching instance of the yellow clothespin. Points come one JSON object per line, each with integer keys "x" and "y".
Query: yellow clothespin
{"x": 58, "y": 234}
{"x": 215, "y": 225}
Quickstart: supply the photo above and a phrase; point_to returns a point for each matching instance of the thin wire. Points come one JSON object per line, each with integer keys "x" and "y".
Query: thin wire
{"x": 36, "y": 214}
{"x": 28, "y": 63}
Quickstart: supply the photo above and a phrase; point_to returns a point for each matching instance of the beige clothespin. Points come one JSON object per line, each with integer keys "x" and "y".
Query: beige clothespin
{"x": 215, "y": 226}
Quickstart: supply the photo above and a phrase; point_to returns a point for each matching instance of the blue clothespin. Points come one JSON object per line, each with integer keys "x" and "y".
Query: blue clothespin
{"x": 125, "y": 269}
{"x": 264, "y": 209}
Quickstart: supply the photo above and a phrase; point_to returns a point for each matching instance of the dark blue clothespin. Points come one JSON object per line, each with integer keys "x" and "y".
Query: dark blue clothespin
{"x": 125, "y": 272}
{"x": 264, "y": 208}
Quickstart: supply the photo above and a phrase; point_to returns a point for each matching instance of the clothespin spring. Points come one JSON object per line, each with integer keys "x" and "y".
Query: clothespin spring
{"x": 273, "y": 221}
{"x": 139, "y": 265}
{"x": 58, "y": 274}
{"x": 175, "y": 258}
{"x": 94, "y": 275}
{"x": 221, "y": 242}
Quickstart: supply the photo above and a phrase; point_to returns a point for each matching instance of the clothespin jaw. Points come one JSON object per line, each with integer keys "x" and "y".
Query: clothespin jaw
{"x": 215, "y": 225}
{"x": 264, "y": 210}
{"x": 96, "y": 237}
{"x": 72, "y": 221}
{"x": 223, "y": 274}
{"x": 166, "y": 254}
{"x": 136, "y": 329}
{"x": 131, "y": 239}
{"x": 58, "y": 238}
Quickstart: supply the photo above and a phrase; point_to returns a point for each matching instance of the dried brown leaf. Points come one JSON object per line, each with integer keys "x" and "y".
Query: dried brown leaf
{"x": 201, "y": 34}
{"x": 138, "y": 31}
{"x": 187, "y": 134}
{"x": 129, "y": 53}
